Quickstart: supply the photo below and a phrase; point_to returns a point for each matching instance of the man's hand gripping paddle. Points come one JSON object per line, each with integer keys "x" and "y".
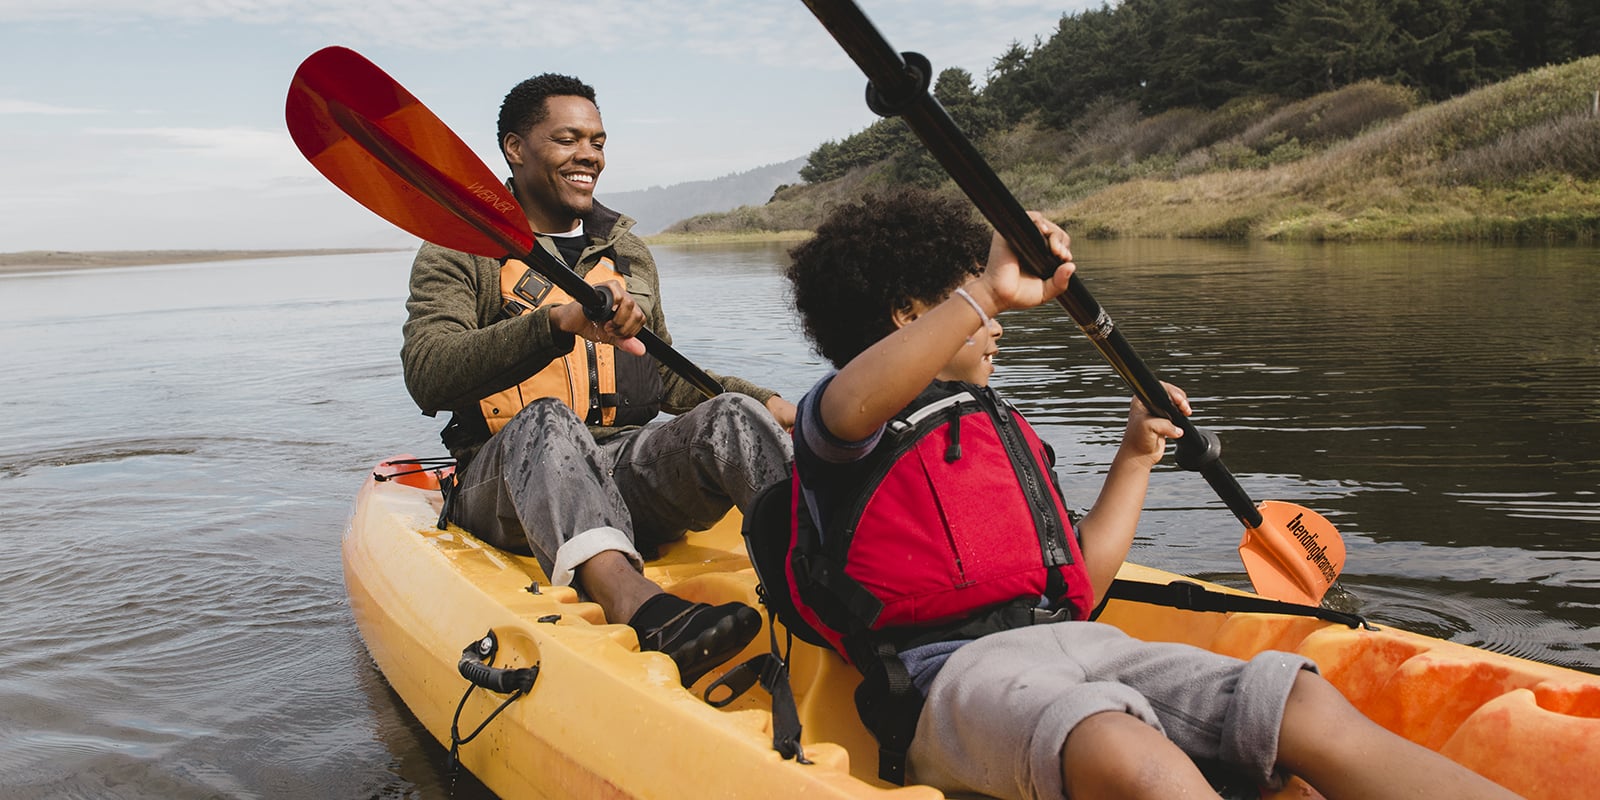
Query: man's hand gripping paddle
{"x": 1290, "y": 553}
{"x": 383, "y": 147}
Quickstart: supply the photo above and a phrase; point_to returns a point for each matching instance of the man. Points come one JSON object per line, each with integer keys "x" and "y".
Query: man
{"x": 549, "y": 409}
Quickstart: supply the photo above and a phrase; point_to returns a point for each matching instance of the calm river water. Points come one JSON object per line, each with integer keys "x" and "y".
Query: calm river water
{"x": 180, "y": 446}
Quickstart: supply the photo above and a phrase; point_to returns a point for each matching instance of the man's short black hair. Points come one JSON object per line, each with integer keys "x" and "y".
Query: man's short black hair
{"x": 524, "y": 105}
{"x": 872, "y": 258}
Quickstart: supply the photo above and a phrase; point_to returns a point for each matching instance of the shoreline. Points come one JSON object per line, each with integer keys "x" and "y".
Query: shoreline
{"x": 726, "y": 237}
{"x": 58, "y": 260}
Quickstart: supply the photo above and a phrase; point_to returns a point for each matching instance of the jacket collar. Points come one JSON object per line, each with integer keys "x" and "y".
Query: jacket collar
{"x": 601, "y": 224}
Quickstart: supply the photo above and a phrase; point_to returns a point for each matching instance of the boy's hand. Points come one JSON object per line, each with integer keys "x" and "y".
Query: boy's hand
{"x": 1010, "y": 286}
{"x": 1146, "y": 435}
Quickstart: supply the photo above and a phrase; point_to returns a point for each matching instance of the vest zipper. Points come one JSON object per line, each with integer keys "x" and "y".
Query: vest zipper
{"x": 1046, "y": 520}
{"x": 952, "y": 451}
{"x": 595, "y": 414}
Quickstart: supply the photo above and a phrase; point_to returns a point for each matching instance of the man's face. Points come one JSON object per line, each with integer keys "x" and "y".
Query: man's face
{"x": 555, "y": 164}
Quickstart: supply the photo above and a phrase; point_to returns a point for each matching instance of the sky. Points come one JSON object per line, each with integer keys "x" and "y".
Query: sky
{"x": 158, "y": 124}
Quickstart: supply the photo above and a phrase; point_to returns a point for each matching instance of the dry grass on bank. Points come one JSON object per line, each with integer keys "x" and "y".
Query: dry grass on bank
{"x": 50, "y": 260}
{"x": 726, "y": 237}
{"x": 1517, "y": 161}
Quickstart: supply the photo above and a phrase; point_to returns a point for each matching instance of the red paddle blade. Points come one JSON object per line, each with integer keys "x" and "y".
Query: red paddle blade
{"x": 1294, "y": 554}
{"x": 383, "y": 147}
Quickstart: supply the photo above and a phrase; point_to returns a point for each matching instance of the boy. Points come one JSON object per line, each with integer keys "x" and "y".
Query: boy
{"x": 1015, "y": 703}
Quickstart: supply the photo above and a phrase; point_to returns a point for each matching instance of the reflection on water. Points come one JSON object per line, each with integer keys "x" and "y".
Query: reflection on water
{"x": 1436, "y": 403}
{"x": 180, "y": 447}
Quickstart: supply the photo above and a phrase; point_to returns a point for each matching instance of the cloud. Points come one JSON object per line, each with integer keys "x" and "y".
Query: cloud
{"x": 769, "y": 33}
{"x": 241, "y": 143}
{"x": 698, "y": 88}
{"x": 176, "y": 159}
{"x": 712, "y": 25}
{"x": 42, "y": 109}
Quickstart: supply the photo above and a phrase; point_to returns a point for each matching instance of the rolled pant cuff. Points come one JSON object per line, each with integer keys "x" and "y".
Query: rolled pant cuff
{"x": 587, "y": 545}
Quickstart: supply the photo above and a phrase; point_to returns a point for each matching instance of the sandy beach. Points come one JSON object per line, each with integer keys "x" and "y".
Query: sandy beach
{"x": 51, "y": 260}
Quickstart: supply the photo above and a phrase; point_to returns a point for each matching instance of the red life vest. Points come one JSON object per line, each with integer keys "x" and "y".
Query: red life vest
{"x": 960, "y": 516}
{"x": 959, "y": 530}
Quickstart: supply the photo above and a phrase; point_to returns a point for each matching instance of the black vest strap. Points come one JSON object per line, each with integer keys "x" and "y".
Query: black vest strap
{"x": 1190, "y": 596}
{"x": 888, "y": 703}
{"x": 862, "y": 607}
{"x": 771, "y": 670}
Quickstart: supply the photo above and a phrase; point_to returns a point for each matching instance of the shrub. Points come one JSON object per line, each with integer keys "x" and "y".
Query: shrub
{"x": 1330, "y": 116}
{"x": 1356, "y": 108}
{"x": 1171, "y": 133}
{"x": 1238, "y": 114}
{"x": 1101, "y": 132}
{"x": 1567, "y": 144}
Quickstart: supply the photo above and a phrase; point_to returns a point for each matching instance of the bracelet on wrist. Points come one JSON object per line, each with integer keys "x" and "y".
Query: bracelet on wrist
{"x": 961, "y": 292}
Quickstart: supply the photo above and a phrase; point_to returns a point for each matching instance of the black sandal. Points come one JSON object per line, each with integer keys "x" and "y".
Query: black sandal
{"x": 702, "y": 636}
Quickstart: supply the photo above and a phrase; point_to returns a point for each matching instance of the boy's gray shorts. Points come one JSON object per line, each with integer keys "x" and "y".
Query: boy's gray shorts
{"x": 999, "y": 711}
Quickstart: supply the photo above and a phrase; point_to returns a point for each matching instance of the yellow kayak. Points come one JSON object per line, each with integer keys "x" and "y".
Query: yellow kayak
{"x": 602, "y": 719}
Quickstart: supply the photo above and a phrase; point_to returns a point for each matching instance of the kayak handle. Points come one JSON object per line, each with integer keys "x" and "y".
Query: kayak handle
{"x": 602, "y": 310}
{"x": 919, "y": 76}
{"x": 474, "y": 666}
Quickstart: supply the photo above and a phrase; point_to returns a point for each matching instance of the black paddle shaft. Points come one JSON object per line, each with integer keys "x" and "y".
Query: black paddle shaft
{"x": 898, "y": 86}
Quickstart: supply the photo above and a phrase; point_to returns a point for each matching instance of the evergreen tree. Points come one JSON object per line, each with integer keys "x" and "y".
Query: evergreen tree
{"x": 972, "y": 111}
{"x": 1095, "y": 55}
{"x": 1320, "y": 45}
{"x": 1203, "y": 52}
{"x": 1008, "y": 90}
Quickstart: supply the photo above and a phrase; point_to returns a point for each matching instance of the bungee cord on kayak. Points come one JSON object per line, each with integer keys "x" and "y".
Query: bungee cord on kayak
{"x": 476, "y": 659}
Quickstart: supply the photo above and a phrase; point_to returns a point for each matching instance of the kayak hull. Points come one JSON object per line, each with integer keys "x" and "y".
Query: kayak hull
{"x": 605, "y": 720}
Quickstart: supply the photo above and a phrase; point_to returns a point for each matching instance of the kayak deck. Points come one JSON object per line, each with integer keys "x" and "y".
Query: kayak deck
{"x": 605, "y": 720}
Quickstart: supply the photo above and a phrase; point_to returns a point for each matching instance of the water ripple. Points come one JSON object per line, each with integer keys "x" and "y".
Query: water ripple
{"x": 175, "y": 620}
{"x": 93, "y": 452}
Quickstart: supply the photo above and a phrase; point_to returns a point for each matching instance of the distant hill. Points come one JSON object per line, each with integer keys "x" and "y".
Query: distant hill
{"x": 659, "y": 206}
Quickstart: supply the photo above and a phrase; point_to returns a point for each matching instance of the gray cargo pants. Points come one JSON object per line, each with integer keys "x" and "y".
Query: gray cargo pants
{"x": 542, "y": 484}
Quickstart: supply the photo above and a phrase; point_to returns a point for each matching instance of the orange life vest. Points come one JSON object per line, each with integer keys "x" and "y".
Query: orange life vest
{"x": 585, "y": 379}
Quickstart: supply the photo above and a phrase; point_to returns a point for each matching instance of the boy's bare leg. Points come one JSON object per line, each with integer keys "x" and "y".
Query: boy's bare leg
{"x": 1346, "y": 755}
{"x": 1116, "y": 755}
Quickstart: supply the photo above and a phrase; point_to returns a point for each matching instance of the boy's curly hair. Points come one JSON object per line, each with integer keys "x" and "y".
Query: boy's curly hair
{"x": 523, "y": 106}
{"x": 870, "y": 259}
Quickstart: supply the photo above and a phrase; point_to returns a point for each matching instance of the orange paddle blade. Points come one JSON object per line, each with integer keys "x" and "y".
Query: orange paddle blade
{"x": 385, "y": 149}
{"x": 1294, "y": 554}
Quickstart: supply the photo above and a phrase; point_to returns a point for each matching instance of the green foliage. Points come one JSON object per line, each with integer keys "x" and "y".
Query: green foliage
{"x": 1172, "y": 55}
{"x": 1167, "y": 54}
{"x": 889, "y": 140}
{"x": 1201, "y": 51}
{"x": 883, "y": 139}
{"x": 1283, "y": 118}
{"x": 1008, "y": 90}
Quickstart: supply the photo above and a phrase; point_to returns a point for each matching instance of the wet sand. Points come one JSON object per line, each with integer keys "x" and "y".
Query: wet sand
{"x": 52, "y": 260}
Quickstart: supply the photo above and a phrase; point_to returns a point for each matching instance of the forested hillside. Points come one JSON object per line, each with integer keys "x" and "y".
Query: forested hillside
{"x": 1175, "y": 92}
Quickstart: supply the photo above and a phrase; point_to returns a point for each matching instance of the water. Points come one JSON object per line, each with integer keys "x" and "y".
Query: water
{"x": 180, "y": 446}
